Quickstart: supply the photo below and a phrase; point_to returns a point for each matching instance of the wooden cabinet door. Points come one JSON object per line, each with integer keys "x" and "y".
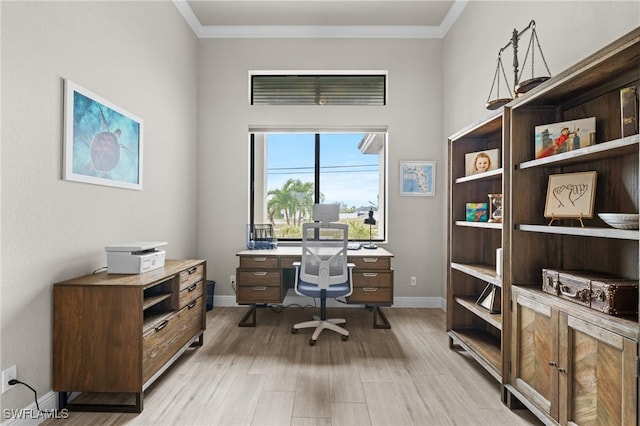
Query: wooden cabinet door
{"x": 597, "y": 375}
{"x": 534, "y": 353}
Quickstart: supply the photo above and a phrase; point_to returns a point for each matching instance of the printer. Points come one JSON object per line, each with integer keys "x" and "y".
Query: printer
{"x": 135, "y": 257}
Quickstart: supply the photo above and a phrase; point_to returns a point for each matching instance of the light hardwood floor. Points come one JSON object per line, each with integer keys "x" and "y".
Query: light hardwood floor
{"x": 266, "y": 376}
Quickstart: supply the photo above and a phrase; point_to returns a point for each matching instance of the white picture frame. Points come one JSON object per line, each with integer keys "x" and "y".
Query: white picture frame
{"x": 417, "y": 178}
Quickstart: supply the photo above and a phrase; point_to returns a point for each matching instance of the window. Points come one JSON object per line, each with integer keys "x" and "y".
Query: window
{"x": 309, "y": 89}
{"x": 292, "y": 171}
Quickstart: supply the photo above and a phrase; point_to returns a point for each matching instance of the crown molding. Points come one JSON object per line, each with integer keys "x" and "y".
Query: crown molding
{"x": 320, "y": 31}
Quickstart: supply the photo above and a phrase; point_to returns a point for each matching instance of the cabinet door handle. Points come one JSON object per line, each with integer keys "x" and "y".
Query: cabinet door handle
{"x": 553, "y": 364}
{"x": 370, "y": 259}
{"x": 162, "y": 325}
{"x": 259, "y": 288}
{"x": 370, "y": 289}
{"x": 260, "y": 274}
{"x": 191, "y": 305}
{"x": 192, "y": 270}
{"x": 259, "y": 259}
{"x": 561, "y": 370}
{"x": 370, "y": 274}
{"x": 191, "y": 287}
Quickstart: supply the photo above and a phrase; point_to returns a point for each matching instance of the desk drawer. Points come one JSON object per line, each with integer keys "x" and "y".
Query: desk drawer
{"x": 191, "y": 293}
{"x": 258, "y": 294}
{"x": 287, "y": 262}
{"x": 371, "y": 262}
{"x": 258, "y": 278}
{"x": 265, "y": 262}
{"x": 162, "y": 342}
{"x": 375, "y": 295}
{"x": 371, "y": 279}
{"x": 191, "y": 275}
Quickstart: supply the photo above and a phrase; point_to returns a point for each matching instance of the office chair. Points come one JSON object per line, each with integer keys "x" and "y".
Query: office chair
{"x": 324, "y": 271}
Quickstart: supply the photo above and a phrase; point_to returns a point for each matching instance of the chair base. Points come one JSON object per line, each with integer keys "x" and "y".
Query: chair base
{"x": 320, "y": 324}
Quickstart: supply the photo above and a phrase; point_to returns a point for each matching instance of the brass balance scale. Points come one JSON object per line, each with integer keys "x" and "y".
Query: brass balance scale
{"x": 520, "y": 86}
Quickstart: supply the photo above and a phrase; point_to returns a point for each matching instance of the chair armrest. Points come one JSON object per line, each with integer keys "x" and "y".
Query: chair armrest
{"x": 296, "y": 264}
{"x": 351, "y": 265}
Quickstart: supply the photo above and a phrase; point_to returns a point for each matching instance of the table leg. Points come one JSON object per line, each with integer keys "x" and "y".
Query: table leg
{"x": 251, "y": 312}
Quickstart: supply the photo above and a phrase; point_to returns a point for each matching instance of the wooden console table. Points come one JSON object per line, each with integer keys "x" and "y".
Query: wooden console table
{"x": 260, "y": 280}
{"x": 119, "y": 333}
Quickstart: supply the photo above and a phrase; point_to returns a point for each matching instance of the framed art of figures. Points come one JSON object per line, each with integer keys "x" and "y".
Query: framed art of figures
{"x": 570, "y": 195}
{"x": 102, "y": 142}
{"x": 417, "y": 178}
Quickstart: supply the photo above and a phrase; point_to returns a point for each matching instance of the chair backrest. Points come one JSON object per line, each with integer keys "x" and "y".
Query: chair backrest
{"x": 324, "y": 254}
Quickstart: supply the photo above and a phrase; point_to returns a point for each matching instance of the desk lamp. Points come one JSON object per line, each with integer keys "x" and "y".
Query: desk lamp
{"x": 370, "y": 221}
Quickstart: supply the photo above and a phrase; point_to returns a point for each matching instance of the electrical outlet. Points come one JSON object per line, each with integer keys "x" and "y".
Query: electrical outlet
{"x": 232, "y": 280}
{"x": 9, "y": 374}
{"x": 413, "y": 281}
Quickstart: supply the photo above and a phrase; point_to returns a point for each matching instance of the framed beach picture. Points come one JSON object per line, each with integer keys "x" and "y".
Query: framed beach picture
{"x": 102, "y": 142}
{"x": 565, "y": 136}
{"x": 571, "y": 195}
{"x": 481, "y": 161}
{"x": 417, "y": 178}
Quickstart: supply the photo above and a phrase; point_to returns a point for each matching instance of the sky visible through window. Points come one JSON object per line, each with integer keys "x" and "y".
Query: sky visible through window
{"x": 346, "y": 175}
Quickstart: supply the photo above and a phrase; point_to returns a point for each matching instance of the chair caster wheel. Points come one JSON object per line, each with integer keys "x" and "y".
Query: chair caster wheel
{"x": 294, "y": 330}
{"x": 312, "y": 342}
{"x": 345, "y": 338}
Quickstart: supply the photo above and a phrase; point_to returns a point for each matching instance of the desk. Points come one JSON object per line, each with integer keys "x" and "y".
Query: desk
{"x": 261, "y": 278}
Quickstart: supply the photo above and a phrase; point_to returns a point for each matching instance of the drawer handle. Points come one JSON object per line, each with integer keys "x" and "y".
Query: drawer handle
{"x": 259, "y": 288}
{"x": 370, "y": 274}
{"x": 193, "y": 270}
{"x": 162, "y": 325}
{"x": 370, "y": 259}
{"x": 260, "y": 274}
{"x": 259, "y": 259}
{"x": 191, "y": 305}
{"x": 370, "y": 289}
{"x": 192, "y": 287}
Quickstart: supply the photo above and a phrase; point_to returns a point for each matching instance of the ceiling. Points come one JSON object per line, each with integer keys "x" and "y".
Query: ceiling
{"x": 320, "y": 18}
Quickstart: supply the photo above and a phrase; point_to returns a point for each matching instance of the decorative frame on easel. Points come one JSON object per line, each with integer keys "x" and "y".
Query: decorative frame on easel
{"x": 571, "y": 196}
{"x": 490, "y": 299}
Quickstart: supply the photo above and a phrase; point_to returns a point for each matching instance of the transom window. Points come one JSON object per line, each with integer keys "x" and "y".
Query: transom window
{"x": 291, "y": 171}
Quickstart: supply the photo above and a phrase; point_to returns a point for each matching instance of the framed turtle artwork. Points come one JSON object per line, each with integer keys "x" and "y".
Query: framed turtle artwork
{"x": 102, "y": 142}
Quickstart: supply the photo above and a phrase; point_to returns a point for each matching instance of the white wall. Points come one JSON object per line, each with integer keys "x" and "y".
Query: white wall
{"x": 413, "y": 116}
{"x": 140, "y": 56}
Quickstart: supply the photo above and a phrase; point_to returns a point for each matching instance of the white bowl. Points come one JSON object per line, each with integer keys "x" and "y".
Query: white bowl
{"x": 621, "y": 220}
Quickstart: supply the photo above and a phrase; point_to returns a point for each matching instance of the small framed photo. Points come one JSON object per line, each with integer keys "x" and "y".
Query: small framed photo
{"x": 477, "y": 212}
{"x": 417, "y": 178}
{"x": 481, "y": 161}
{"x": 565, "y": 136}
{"x": 629, "y": 110}
{"x": 102, "y": 142}
{"x": 571, "y": 195}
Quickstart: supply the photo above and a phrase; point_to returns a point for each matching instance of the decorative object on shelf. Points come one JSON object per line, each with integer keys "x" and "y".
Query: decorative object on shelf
{"x": 261, "y": 236}
{"x": 417, "y": 178}
{"x": 570, "y": 195}
{"x": 499, "y": 261}
{"x": 370, "y": 220}
{"x": 490, "y": 299}
{"x": 629, "y": 110}
{"x": 481, "y": 161}
{"x": 620, "y": 220}
{"x": 477, "y": 212}
{"x": 495, "y": 208}
{"x": 564, "y": 136}
{"x": 520, "y": 86}
{"x": 600, "y": 291}
{"x": 102, "y": 142}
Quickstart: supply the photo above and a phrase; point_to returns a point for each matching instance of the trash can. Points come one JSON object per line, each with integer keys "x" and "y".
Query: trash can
{"x": 211, "y": 286}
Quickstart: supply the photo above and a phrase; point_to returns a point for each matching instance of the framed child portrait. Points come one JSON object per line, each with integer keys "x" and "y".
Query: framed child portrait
{"x": 481, "y": 161}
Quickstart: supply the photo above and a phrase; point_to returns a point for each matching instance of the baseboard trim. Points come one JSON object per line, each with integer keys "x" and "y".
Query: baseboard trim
{"x": 29, "y": 416}
{"x": 398, "y": 302}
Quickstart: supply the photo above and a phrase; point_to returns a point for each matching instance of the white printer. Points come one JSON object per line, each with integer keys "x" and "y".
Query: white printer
{"x": 135, "y": 257}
